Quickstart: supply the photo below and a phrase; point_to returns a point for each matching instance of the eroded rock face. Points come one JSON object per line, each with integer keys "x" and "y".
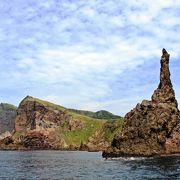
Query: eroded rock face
{"x": 172, "y": 144}
{"x": 152, "y": 127}
{"x": 5, "y": 135}
{"x": 43, "y": 125}
{"x": 35, "y": 140}
{"x": 97, "y": 142}
{"x": 33, "y": 115}
{"x": 38, "y": 124}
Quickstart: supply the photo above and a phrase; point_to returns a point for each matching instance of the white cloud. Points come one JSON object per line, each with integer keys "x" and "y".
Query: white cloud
{"x": 80, "y": 48}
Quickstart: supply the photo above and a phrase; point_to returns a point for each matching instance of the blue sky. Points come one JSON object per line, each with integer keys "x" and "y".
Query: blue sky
{"x": 87, "y": 54}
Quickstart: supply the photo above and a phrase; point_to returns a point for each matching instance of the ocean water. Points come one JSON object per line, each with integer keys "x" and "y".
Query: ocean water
{"x": 72, "y": 165}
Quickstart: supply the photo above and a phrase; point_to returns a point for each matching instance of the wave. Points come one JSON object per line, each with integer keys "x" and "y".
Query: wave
{"x": 128, "y": 158}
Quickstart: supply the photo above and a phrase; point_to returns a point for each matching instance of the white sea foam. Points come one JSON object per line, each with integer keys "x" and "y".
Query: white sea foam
{"x": 128, "y": 158}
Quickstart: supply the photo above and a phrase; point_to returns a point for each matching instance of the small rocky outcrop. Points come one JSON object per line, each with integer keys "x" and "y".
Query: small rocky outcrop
{"x": 35, "y": 140}
{"x": 152, "y": 127}
{"x": 97, "y": 142}
{"x": 5, "y": 135}
{"x": 7, "y": 117}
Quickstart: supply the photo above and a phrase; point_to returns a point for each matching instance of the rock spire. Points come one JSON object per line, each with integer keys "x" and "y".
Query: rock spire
{"x": 165, "y": 93}
{"x": 152, "y": 127}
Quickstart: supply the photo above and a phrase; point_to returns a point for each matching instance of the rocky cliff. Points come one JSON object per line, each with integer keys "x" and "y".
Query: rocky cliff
{"x": 37, "y": 123}
{"x": 43, "y": 125}
{"x": 7, "y": 117}
{"x": 152, "y": 127}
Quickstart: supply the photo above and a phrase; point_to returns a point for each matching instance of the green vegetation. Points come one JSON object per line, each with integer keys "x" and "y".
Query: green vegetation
{"x": 97, "y": 115}
{"x": 108, "y": 128}
{"x": 17, "y": 134}
{"x": 6, "y": 106}
{"x": 78, "y": 136}
{"x": 8, "y": 114}
{"x": 106, "y": 122}
{"x": 46, "y": 103}
{"x": 111, "y": 128}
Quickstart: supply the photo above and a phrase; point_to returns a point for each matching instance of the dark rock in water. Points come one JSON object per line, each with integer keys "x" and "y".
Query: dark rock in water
{"x": 152, "y": 127}
{"x": 6, "y": 141}
{"x": 7, "y": 117}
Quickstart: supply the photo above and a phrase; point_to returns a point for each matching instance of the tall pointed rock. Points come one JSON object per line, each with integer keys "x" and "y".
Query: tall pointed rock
{"x": 165, "y": 93}
{"x": 152, "y": 127}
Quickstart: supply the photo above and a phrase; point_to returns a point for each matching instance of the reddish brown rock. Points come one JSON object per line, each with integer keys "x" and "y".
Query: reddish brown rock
{"x": 35, "y": 140}
{"x": 152, "y": 127}
{"x": 43, "y": 125}
{"x": 172, "y": 144}
{"x": 97, "y": 142}
{"x": 38, "y": 124}
{"x": 32, "y": 114}
{"x": 6, "y": 141}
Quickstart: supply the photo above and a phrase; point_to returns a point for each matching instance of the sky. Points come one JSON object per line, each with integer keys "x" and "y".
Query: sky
{"x": 87, "y": 54}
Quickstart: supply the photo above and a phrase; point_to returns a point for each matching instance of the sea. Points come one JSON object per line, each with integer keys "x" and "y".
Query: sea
{"x": 72, "y": 165}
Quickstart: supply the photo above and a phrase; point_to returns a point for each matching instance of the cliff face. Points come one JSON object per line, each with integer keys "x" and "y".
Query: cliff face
{"x": 42, "y": 125}
{"x": 33, "y": 114}
{"x": 7, "y": 117}
{"x": 39, "y": 123}
{"x": 152, "y": 127}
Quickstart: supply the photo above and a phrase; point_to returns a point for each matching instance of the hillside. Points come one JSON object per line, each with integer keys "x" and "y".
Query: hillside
{"x": 7, "y": 117}
{"x": 97, "y": 115}
{"x": 43, "y": 125}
